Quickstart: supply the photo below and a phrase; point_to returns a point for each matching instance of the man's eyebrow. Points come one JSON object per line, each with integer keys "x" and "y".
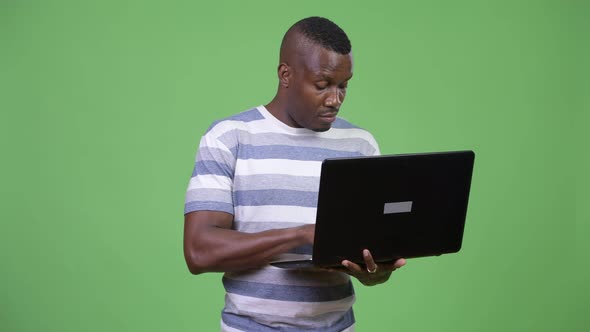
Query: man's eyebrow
{"x": 319, "y": 76}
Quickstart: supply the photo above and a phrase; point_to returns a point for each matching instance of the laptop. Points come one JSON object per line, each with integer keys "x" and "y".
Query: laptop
{"x": 397, "y": 206}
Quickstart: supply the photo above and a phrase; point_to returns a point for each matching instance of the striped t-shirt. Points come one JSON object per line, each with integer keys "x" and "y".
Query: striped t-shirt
{"x": 266, "y": 174}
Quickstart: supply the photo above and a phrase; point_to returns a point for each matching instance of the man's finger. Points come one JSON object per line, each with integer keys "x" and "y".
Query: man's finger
{"x": 352, "y": 266}
{"x": 399, "y": 263}
{"x": 369, "y": 262}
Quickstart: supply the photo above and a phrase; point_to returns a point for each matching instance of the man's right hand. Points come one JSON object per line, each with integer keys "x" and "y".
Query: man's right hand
{"x": 210, "y": 245}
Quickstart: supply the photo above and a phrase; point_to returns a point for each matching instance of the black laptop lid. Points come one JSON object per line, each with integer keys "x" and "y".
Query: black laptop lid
{"x": 396, "y": 206}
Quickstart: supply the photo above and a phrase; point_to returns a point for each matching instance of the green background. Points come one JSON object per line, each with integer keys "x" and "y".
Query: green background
{"x": 103, "y": 104}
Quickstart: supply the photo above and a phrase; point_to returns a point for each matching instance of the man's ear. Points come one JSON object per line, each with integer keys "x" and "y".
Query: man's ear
{"x": 285, "y": 74}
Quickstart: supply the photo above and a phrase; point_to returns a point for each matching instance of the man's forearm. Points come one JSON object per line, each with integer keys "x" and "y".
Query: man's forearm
{"x": 217, "y": 249}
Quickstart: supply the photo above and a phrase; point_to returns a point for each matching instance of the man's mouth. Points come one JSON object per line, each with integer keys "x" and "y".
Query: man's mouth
{"x": 328, "y": 117}
{"x": 328, "y": 114}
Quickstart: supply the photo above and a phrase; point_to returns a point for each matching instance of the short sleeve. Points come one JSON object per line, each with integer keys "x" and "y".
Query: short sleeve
{"x": 376, "y": 152}
{"x": 211, "y": 183}
{"x": 373, "y": 146}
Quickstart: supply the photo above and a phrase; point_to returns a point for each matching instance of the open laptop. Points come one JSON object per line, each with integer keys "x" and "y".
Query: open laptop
{"x": 397, "y": 206}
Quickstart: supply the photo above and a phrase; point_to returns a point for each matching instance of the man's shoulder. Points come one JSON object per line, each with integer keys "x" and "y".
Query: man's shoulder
{"x": 345, "y": 126}
{"x": 345, "y": 130}
{"x": 342, "y": 123}
{"x": 252, "y": 114}
{"x": 249, "y": 115}
{"x": 236, "y": 121}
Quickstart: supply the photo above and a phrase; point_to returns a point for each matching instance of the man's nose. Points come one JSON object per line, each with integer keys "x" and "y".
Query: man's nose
{"x": 334, "y": 98}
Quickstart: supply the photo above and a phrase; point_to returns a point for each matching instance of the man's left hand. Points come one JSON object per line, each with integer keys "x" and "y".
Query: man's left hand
{"x": 372, "y": 273}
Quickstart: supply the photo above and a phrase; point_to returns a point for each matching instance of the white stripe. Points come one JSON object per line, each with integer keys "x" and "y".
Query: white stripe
{"x": 349, "y": 329}
{"x": 210, "y": 182}
{"x": 223, "y": 127}
{"x": 225, "y": 328}
{"x": 278, "y": 213}
{"x": 226, "y": 126}
{"x": 270, "y": 182}
{"x": 261, "y": 126}
{"x": 246, "y": 167}
{"x": 254, "y": 305}
{"x": 212, "y": 141}
{"x": 335, "y": 133}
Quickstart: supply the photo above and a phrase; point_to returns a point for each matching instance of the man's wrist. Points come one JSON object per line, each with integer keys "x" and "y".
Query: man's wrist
{"x": 304, "y": 234}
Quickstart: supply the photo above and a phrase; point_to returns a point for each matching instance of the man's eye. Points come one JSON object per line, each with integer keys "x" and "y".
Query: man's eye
{"x": 321, "y": 86}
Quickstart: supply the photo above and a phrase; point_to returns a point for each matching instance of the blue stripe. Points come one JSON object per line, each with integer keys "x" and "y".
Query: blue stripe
{"x": 302, "y": 250}
{"x": 340, "y": 123}
{"x": 246, "y": 116}
{"x": 288, "y": 293}
{"x": 209, "y": 167}
{"x": 276, "y": 197}
{"x": 241, "y": 137}
{"x": 208, "y": 206}
{"x": 244, "y": 323}
{"x": 247, "y": 151}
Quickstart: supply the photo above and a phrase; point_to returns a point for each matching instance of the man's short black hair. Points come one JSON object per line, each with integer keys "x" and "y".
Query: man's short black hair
{"x": 325, "y": 33}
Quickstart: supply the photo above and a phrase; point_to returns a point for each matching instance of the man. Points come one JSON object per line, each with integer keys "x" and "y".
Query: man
{"x": 253, "y": 194}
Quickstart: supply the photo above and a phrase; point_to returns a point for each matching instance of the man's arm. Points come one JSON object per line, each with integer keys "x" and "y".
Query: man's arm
{"x": 210, "y": 245}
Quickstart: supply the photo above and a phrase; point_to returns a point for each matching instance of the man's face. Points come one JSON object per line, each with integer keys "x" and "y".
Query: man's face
{"x": 317, "y": 88}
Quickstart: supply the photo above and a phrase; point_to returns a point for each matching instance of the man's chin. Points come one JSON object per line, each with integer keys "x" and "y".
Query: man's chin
{"x": 321, "y": 129}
